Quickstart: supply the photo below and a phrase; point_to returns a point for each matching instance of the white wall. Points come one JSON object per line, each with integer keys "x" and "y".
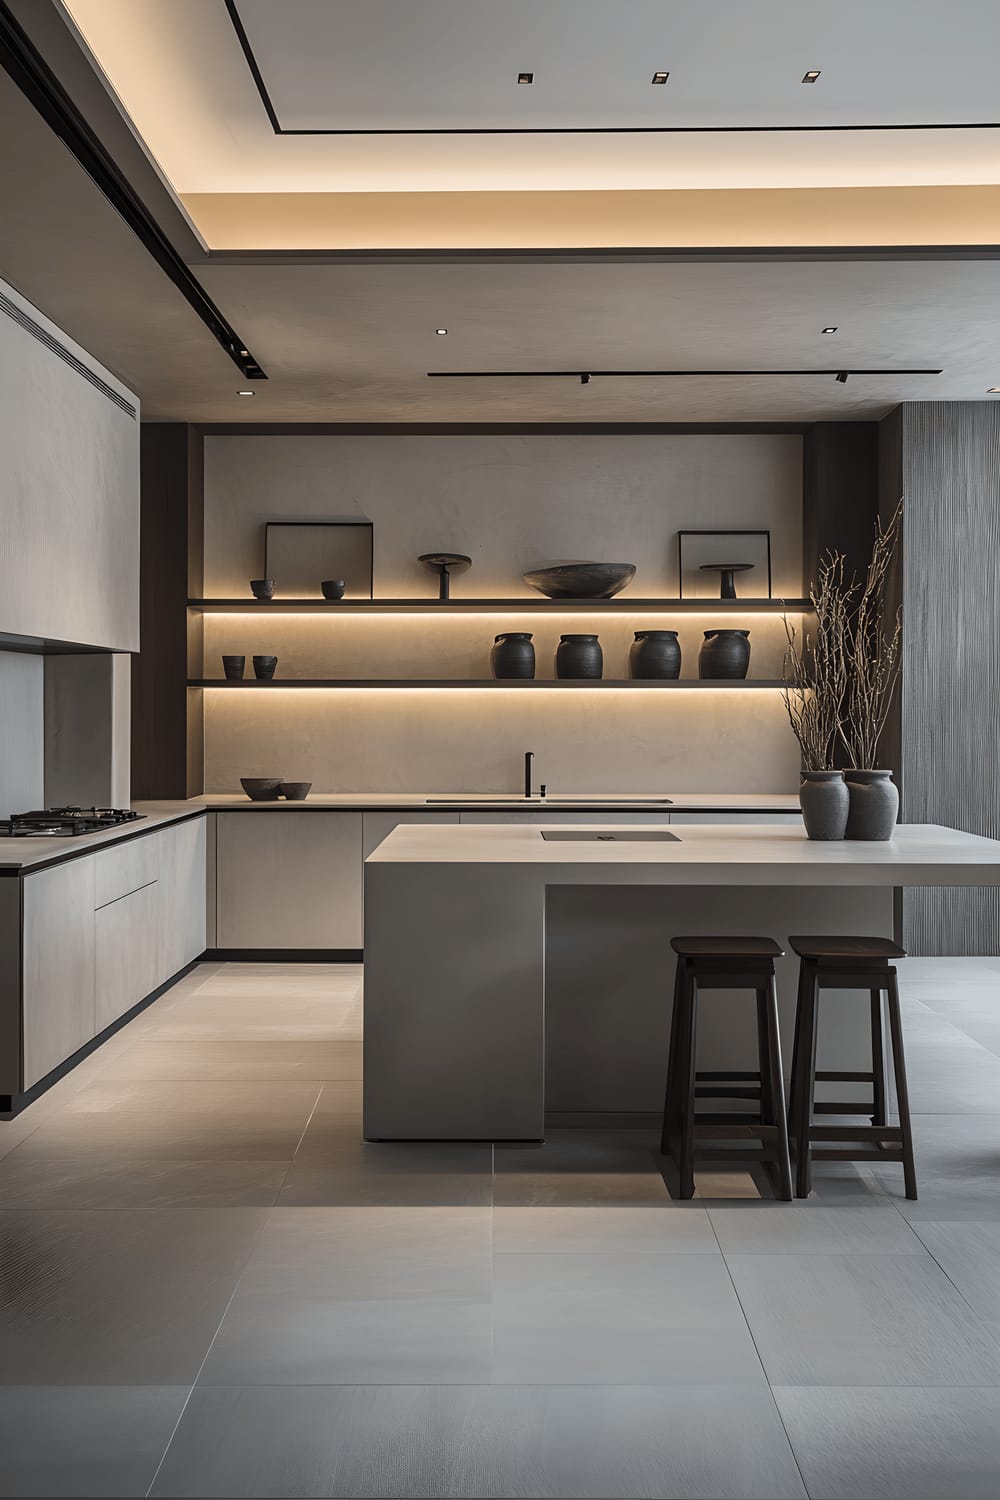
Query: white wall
{"x": 69, "y": 489}
{"x": 511, "y": 503}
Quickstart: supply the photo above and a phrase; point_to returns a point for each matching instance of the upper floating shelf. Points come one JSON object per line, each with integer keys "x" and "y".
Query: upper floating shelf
{"x": 621, "y": 606}
{"x": 644, "y": 684}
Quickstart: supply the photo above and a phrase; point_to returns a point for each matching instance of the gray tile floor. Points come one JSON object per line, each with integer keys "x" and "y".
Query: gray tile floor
{"x": 210, "y": 1285}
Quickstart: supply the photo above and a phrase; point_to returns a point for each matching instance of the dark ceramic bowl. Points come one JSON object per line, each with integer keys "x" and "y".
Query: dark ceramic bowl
{"x": 295, "y": 791}
{"x": 234, "y": 667}
{"x": 262, "y": 788}
{"x": 263, "y": 588}
{"x": 586, "y": 580}
{"x": 333, "y": 588}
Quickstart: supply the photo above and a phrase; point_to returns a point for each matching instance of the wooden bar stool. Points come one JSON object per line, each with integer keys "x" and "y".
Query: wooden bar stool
{"x": 724, "y": 963}
{"x": 848, "y": 963}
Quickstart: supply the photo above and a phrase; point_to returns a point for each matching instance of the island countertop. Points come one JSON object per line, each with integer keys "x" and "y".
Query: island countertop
{"x": 917, "y": 854}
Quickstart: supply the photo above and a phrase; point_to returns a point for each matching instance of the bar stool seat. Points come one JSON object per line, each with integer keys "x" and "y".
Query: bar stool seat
{"x": 724, "y": 963}
{"x": 848, "y": 963}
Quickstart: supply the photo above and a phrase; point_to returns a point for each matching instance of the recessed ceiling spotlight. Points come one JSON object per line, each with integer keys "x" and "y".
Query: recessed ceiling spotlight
{"x": 811, "y": 76}
{"x": 584, "y": 379}
{"x": 842, "y": 377}
{"x": 245, "y": 353}
{"x": 246, "y": 393}
{"x": 525, "y": 77}
{"x": 440, "y": 330}
{"x": 659, "y": 77}
{"x": 832, "y": 329}
{"x": 993, "y": 390}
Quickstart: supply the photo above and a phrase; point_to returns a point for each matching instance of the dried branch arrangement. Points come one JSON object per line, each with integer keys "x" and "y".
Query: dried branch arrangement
{"x": 875, "y": 641}
{"x": 841, "y": 677}
{"x": 815, "y": 668}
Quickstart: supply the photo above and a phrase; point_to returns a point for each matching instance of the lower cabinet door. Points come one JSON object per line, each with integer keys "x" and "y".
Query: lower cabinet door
{"x": 289, "y": 879}
{"x": 125, "y": 954}
{"x": 58, "y": 965}
{"x": 181, "y": 875}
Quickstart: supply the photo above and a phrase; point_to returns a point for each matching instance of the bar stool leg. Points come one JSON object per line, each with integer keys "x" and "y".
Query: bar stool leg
{"x": 763, "y": 1063}
{"x": 902, "y": 1092}
{"x": 686, "y": 1081}
{"x": 880, "y": 1115}
{"x": 671, "y": 1112}
{"x": 776, "y": 1090}
{"x": 805, "y": 1078}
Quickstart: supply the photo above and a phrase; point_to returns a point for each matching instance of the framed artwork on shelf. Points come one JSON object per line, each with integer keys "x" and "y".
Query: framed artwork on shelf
{"x": 300, "y": 555}
{"x": 724, "y": 564}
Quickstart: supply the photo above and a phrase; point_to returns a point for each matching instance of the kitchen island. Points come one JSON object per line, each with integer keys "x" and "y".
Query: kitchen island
{"x": 514, "y": 974}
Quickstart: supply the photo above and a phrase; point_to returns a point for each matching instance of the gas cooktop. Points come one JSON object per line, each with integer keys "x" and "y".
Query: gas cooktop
{"x": 62, "y": 822}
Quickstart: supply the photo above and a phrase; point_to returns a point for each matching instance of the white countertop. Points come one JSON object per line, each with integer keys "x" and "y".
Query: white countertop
{"x": 719, "y": 854}
{"x": 30, "y": 853}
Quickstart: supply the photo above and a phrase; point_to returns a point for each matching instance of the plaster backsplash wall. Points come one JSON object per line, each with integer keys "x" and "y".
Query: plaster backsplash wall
{"x": 511, "y": 502}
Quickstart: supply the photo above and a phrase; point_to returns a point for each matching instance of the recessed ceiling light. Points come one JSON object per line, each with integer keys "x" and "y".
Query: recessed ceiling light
{"x": 993, "y": 390}
{"x": 246, "y": 393}
{"x": 525, "y": 77}
{"x": 832, "y": 329}
{"x": 584, "y": 379}
{"x": 811, "y": 76}
{"x": 659, "y": 77}
{"x": 440, "y": 330}
{"x": 842, "y": 377}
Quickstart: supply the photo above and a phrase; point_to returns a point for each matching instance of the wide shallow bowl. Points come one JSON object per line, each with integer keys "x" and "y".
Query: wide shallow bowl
{"x": 585, "y": 580}
{"x": 262, "y": 788}
{"x": 295, "y": 791}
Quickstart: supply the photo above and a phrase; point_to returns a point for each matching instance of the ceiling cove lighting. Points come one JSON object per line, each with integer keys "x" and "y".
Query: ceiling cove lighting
{"x": 659, "y": 77}
{"x": 831, "y": 329}
{"x": 525, "y": 77}
{"x": 585, "y": 376}
{"x": 811, "y": 76}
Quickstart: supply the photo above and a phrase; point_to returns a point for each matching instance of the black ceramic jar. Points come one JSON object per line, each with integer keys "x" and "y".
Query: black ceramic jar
{"x": 513, "y": 655}
{"x": 725, "y": 653}
{"x": 655, "y": 653}
{"x": 579, "y": 656}
{"x": 263, "y": 667}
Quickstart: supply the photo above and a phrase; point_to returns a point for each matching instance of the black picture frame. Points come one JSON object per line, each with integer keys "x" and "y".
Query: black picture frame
{"x": 360, "y": 587}
{"x": 721, "y": 531}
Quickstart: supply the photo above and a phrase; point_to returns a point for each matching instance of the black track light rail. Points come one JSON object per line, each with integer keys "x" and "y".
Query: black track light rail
{"x": 586, "y": 375}
{"x": 25, "y": 65}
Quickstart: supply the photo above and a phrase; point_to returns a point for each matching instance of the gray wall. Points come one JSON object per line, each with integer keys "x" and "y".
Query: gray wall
{"x": 511, "y": 502}
{"x": 22, "y": 744}
{"x": 945, "y": 456}
{"x": 69, "y": 488}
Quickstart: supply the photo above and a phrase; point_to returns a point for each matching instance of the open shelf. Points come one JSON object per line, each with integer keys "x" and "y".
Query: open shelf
{"x": 648, "y": 684}
{"x": 622, "y": 606}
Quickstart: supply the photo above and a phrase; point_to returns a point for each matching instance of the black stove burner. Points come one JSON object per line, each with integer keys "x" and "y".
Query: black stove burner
{"x": 62, "y": 822}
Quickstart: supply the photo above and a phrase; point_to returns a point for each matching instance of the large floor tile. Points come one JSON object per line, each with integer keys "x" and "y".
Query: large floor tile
{"x": 581, "y": 1167}
{"x": 237, "y": 1017}
{"x": 958, "y": 1169}
{"x": 894, "y": 1444}
{"x": 596, "y": 1231}
{"x": 848, "y": 1319}
{"x": 491, "y": 1442}
{"x": 373, "y": 1254}
{"x": 875, "y": 1228}
{"x": 238, "y": 1061}
{"x": 96, "y": 1298}
{"x": 181, "y": 1121}
{"x": 325, "y": 1339}
{"x": 413, "y": 1172}
{"x": 619, "y": 1319}
{"x": 969, "y": 1254}
{"x": 336, "y": 1122}
{"x": 84, "y": 1440}
{"x": 34, "y": 1181}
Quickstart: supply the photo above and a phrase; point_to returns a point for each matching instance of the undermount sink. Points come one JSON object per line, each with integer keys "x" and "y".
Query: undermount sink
{"x": 579, "y": 800}
{"x": 620, "y": 836}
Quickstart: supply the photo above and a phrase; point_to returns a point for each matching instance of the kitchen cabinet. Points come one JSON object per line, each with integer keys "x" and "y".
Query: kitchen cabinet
{"x": 289, "y": 879}
{"x": 125, "y": 954}
{"x": 57, "y": 964}
{"x": 125, "y": 868}
{"x": 181, "y": 895}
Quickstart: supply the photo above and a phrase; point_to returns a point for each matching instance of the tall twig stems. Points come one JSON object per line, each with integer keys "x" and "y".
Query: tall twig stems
{"x": 815, "y": 670}
{"x": 875, "y": 641}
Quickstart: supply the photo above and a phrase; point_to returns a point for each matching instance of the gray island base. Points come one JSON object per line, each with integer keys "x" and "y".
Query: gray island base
{"x": 510, "y": 978}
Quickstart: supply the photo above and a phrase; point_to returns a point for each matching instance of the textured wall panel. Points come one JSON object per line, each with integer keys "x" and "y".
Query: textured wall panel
{"x": 950, "y": 727}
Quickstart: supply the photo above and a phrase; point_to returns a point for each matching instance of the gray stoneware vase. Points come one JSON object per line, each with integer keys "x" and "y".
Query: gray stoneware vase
{"x": 725, "y": 654}
{"x": 513, "y": 655}
{"x": 825, "y": 800}
{"x": 579, "y": 656}
{"x": 655, "y": 653}
{"x": 874, "y": 805}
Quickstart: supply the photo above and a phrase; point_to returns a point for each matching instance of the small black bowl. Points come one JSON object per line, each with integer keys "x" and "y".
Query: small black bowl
{"x": 263, "y": 588}
{"x": 263, "y": 666}
{"x": 333, "y": 588}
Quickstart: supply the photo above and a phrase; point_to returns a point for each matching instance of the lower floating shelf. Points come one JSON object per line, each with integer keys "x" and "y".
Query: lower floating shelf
{"x": 649, "y": 684}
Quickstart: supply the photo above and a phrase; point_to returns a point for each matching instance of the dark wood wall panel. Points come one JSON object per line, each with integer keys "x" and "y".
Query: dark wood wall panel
{"x": 950, "y": 716}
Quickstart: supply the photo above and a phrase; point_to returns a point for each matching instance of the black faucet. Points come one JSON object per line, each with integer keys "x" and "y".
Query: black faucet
{"x": 529, "y": 756}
